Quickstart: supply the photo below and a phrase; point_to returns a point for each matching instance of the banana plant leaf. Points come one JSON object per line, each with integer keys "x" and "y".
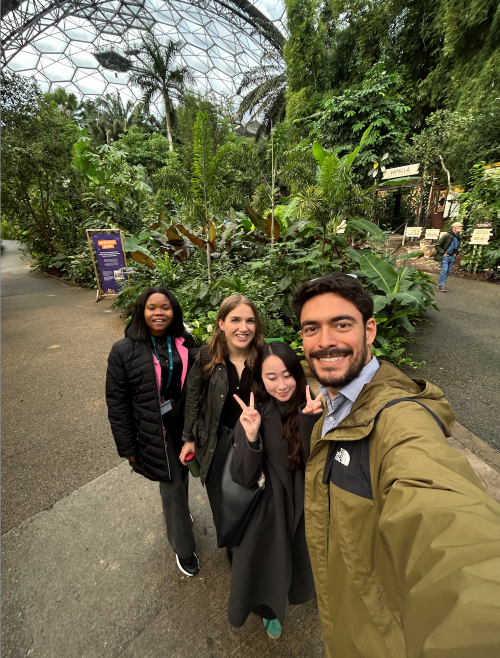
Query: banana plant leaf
{"x": 380, "y": 273}
{"x": 256, "y": 219}
{"x": 140, "y": 257}
{"x": 268, "y": 227}
{"x": 212, "y": 232}
{"x": 319, "y": 153}
{"x": 413, "y": 298}
{"x": 365, "y": 226}
{"x": 191, "y": 236}
{"x": 379, "y": 302}
{"x": 173, "y": 233}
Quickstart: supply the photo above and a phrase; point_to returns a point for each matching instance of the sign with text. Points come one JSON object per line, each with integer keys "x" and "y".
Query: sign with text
{"x": 432, "y": 234}
{"x": 413, "y": 231}
{"x": 401, "y": 172}
{"x": 480, "y": 236}
{"x": 110, "y": 257}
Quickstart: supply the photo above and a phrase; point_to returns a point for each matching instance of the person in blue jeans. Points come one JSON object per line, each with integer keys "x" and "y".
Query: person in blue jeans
{"x": 447, "y": 248}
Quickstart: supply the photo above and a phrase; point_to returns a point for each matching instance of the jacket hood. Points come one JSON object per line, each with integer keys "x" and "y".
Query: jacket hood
{"x": 389, "y": 383}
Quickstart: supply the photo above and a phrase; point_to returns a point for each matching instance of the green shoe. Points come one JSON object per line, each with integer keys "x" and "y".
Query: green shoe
{"x": 273, "y": 628}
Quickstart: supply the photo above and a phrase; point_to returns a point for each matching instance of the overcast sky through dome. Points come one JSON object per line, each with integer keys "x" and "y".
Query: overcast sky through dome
{"x": 217, "y": 51}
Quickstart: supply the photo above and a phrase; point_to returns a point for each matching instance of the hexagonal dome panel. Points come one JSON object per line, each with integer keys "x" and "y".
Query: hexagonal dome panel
{"x": 89, "y": 46}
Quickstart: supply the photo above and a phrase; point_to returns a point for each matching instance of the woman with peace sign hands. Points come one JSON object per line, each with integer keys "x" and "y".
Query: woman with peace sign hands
{"x": 271, "y": 564}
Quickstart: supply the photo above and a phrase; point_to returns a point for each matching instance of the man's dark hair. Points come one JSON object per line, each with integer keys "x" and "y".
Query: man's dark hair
{"x": 139, "y": 330}
{"x": 340, "y": 284}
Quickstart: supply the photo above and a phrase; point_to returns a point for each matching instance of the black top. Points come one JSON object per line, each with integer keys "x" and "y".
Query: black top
{"x": 281, "y": 405}
{"x": 231, "y": 410}
{"x": 173, "y": 392}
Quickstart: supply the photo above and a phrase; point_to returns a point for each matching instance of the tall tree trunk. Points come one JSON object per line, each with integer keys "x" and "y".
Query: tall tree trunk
{"x": 169, "y": 131}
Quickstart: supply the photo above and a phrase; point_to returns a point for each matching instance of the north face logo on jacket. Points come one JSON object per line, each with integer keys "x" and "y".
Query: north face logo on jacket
{"x": 343, "y": 457}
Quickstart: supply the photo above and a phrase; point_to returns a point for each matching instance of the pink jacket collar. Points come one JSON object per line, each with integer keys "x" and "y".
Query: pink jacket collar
{"x": 183, "y": 353}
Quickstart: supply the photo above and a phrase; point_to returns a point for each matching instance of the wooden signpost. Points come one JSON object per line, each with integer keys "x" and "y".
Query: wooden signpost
{"x": 401, "y": 172}
{"x": 108, "y": 255}
{"x": 479, "y": 237}
{"x": 412, "y": 232}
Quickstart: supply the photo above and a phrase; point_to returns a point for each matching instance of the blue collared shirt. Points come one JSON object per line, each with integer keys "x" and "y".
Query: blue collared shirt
{"x": 454, "y": 245}
{"x": 340, "y": 406}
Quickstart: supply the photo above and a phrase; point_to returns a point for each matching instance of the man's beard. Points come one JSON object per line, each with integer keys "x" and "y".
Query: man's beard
{"x": 331, "y": 380}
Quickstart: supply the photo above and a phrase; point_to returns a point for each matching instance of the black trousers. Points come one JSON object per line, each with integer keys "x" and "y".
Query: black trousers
{"x": 174, "y": 500}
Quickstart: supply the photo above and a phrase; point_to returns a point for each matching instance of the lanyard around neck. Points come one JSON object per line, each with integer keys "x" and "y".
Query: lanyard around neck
{"x": 170, "y": 362}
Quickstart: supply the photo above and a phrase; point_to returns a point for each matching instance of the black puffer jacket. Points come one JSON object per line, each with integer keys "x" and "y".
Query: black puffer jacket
{"x": 134, "y": 405}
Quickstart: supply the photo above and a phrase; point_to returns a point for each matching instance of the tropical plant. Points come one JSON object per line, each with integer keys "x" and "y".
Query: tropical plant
{"x": 203, "y": 179}
{"x": 379, "y": 103}
{"x": 265, "y": 86}
{"x": 159, "y": 77}
{"x": 335, "y": 198}
{"x": 37, "y": 140}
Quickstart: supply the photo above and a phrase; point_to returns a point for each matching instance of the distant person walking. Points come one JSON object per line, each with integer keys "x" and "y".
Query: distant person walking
{"x": 271, "y": 565}
{"x": 145, "y": 393}
{"x": 447, "y": 248}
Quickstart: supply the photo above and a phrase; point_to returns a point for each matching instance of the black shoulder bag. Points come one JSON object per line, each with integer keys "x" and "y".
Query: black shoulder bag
{"x": 232, "y": 505}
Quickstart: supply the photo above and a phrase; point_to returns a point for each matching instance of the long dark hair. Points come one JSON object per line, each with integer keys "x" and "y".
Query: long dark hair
{"x": 137, "y": 327}
{"x": 290, "y": 416}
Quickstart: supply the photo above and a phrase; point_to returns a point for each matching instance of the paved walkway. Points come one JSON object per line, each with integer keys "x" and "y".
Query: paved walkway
{"x": 461, "y": 345}
{"x": 86, "y": 567}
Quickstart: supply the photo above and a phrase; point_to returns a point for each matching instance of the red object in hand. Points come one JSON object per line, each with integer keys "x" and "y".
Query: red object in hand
{"x": 192, "y": 464}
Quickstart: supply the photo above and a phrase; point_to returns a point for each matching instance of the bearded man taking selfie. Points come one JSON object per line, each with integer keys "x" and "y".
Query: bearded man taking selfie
{"x": 404, "y": 543}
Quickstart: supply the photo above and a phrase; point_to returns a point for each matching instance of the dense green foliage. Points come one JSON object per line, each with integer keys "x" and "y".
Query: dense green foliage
{"x": 358, "y": 85}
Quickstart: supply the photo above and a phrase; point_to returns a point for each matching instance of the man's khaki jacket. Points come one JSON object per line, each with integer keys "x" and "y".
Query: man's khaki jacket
{"x": 405, "y": 545}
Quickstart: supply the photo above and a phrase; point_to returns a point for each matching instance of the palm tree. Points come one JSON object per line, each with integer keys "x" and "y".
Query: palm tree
{"x": 158, "y": 77}
{"x": 107, "y": 117}
{"x": 267, "y": 98}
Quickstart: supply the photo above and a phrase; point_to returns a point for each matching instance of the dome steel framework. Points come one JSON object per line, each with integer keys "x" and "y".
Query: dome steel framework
{"x": 89, "y": 46}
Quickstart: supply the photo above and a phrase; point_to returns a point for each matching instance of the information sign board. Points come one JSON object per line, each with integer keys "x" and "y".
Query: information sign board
{"x": 432, "y": 234}
{"x": 401, "y": 172}
{"x": 478, "y": 237}
{"x": 413, "y": 231}
{"x": 107, "y": 248}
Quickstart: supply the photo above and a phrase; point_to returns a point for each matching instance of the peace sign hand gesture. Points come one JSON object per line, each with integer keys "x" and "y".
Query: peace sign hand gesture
{"x": 313, "y": 406}
{"x": 250, "y": 418}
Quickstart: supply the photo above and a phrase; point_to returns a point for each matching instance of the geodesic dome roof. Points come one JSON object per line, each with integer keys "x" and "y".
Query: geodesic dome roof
{"x": 88, "y": 47}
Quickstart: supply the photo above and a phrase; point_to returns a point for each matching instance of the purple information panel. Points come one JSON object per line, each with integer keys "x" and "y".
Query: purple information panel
{"x": 110, "y": 260}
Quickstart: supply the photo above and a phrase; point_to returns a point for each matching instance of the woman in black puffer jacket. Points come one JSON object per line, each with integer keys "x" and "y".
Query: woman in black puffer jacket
{"x": 145, "y": 393}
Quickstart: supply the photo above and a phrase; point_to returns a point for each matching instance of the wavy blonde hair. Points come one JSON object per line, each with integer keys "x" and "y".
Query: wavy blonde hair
{"x": 217, "y": 347}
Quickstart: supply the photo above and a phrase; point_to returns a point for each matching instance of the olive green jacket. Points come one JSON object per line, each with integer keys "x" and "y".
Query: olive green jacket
{"x": 442, "y": 245}
{"x": 410, "y": 569}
